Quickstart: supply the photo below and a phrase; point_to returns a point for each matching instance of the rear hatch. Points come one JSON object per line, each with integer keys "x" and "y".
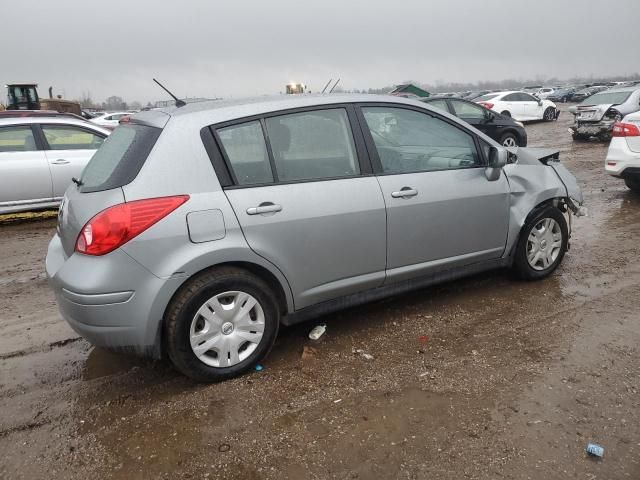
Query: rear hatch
{"x": 116, "y": 163}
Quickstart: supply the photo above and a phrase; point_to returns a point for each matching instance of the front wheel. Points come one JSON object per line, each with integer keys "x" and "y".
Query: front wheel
{"x": 633, "y": 184}
{"x": 542, "y": 244}
{"x": 220, "y": 324}
{"x": 509, "y": 140}
{"x": 549, "y": 114}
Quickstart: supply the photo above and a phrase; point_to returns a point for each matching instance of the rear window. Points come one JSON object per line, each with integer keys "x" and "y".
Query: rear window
{"x": 488, "y": 96}
{"x": 606, "y": 98}
{"x": 120, "y": 158}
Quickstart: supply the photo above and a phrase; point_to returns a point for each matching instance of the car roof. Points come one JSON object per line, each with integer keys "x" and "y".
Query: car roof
{"x": 217, "y": 111}
{"x": 622, "y": 89}
{"x": 50, "y": 120}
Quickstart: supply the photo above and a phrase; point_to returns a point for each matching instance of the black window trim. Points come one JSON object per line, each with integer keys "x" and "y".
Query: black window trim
{"x": 373, "y": 151}
{"x": 34, "y": 132}
{"x": 222, "y": 165}
{"x": 43, "y": 138}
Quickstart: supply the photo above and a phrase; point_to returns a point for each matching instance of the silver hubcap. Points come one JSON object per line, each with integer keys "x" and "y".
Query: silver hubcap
{"x": 509, "y": 142}
{"x": 544, "y": 244}
{"x": 227, "y": 329}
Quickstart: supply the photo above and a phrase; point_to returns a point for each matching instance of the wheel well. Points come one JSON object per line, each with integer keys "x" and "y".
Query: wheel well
{"x": 264, "y": 274}
{"x": 257, "y": 270}
{"x": 506, "y": 113}
{"x": 554, "y": 202}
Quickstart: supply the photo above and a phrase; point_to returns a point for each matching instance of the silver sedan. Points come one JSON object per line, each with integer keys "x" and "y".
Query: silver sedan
{"x": 39, "y": 156}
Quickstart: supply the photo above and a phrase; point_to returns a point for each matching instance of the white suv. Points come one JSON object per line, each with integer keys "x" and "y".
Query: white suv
{"x": 623, "y": 157}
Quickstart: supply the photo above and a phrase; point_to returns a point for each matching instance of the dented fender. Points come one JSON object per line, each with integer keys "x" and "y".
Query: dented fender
{"x": 532, "y": 183}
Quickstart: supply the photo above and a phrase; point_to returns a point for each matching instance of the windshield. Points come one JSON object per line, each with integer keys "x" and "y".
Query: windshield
{"x": 606, "y": 98}
{"x": 488, "y": 96}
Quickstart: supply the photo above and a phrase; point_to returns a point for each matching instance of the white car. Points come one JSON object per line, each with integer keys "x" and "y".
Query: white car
{"x": 520, "y": 106}
{"x": 39, "y": 155}
{"x": 623, "y": 157}
{"x": 544, "y": 93}
{"x": 110, "y": 120}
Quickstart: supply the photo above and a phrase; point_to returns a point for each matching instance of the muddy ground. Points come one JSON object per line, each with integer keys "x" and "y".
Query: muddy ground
{"x": 483, "y": 378}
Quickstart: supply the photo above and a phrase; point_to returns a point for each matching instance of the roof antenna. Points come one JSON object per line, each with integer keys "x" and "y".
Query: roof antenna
{"x": 325, "y": 87}
{"x": 334, "y": 85}
{"x": 179, "y": 103}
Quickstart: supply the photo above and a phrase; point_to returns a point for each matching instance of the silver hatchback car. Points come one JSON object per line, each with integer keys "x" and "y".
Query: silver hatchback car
{"x": 196, "y": 231}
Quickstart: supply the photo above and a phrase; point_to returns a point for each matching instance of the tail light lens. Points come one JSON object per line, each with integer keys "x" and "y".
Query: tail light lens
{"x": 486, "y": 104}
{"x": 116, "y": 225}
{"x": 625, "y": 130}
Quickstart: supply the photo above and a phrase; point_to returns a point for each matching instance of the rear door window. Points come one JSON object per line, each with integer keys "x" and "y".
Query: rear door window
{"x": 63, "y": 137}
{"x": 246, "y": 152}
{"x": 120, "y": 158}
{"x": 441, "y": 104}
{"x": 17, "y": 139}
{"x": 467, "y": 110}
{"x": 312, "y": 145}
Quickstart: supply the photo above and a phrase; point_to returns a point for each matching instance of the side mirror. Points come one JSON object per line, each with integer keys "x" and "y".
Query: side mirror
{"x": 498, "y": 157}
{"x": 539, "y": 102}
{"x": 488, "y": 116}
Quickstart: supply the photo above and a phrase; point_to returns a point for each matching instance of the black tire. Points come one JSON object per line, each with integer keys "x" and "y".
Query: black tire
{"x": 193, "y": 295}
{"x": 521, "y": 264}
{"x": 506, "y": 113}
{"x": 549, "y": 114}
{"x": 509, "y": 136}
{"x": 633, "y": 184}
{"x": 579, "y": 137}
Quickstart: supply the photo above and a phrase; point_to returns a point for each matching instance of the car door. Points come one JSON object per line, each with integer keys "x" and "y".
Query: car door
{"x": 24, "y": 173}
{"x": 515, "y": 107}
{"x": 306, "y": 200}
{"x": 532, "y": 107}
{"x": 474, "y": 115}
{"x": 68, "y": 149}
{"x": 442, "y": 211}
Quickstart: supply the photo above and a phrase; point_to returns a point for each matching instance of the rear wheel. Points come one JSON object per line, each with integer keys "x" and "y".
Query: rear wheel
{"x": 542, "y": 244}
{"x": 633, "y": 183}
{"x": 549, "y": 114}
{"x": 220, "y": 324}
{"x": 506, "y": 113}
{"x": 509, "y": 140}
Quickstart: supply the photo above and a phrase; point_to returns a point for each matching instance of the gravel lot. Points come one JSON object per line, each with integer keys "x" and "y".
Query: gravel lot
{"x": 484, "y": 378}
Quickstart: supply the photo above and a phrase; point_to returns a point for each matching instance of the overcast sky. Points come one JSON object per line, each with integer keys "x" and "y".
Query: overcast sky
{"x": 240, "y": 48}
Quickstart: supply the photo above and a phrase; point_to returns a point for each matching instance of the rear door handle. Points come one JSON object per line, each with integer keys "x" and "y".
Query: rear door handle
{"x": 265, "y": 207}
{"x": 60, "y": 161}
{"x": 405, "y": 192}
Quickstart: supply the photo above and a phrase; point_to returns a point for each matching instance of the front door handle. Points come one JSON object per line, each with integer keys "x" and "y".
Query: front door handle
{"x": 405, "y": 192}
{"x": 60, "y": 161}
{"x": 265, "y": 207}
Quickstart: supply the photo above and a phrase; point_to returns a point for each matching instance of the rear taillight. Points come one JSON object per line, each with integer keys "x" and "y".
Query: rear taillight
{"x": 486, "y": 104}
{"x": 625, "y": 130}
{"x": 115, "y": 226}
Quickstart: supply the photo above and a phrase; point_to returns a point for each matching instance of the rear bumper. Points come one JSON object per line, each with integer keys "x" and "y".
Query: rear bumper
{"x": 593, "y": 128}
{"x": 112, "y": 301}
{"x": 621, "y": 161}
